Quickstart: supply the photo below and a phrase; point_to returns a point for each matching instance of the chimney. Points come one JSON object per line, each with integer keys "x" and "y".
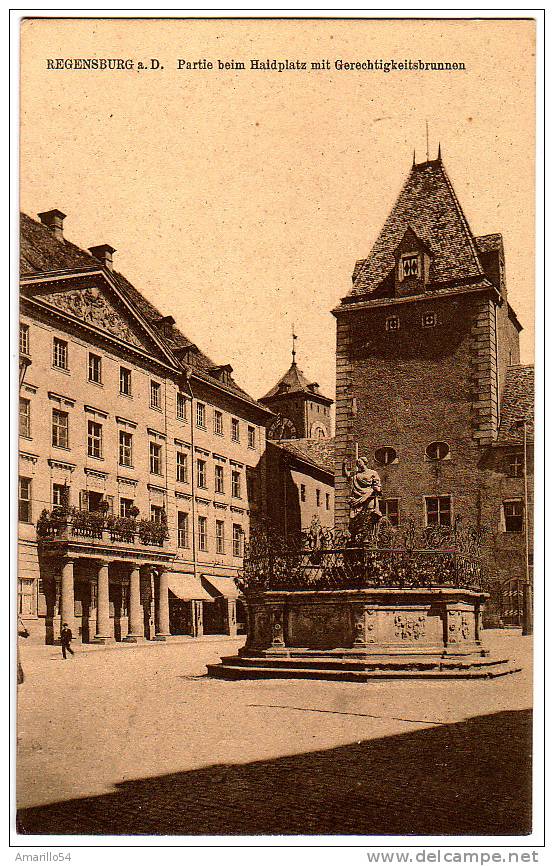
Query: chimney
{"x": 103, "y": 253}
{"x": 53, "y": 219}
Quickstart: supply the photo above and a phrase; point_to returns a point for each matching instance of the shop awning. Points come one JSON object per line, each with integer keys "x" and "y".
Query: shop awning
{"x": 221, "y": 586}
{"x": 187, "y": 587}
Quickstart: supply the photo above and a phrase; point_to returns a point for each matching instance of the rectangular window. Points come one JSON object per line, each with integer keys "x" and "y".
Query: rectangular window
{"x": 438, "y": 511}
{"x": 513, "y": 515}
{"x": 428, "y": 320}
{"x": 125, "y": 381}
{"x": 202, "y": 533}
{"x": 155, "y": 395}
{"x": 201, "y": 476}
{"x": 327, "y": 501}
{"x": 219, "y": 479}
{"x": 201, "y": 415}
{"x": 182, "y": 529}
{"x": 219, "y": 536}
{"x": 60, "y": 495}
{"x": 156, "y": 514}
{"x": 409, "y": 267}
{"x": 318, "y": 497}
{"x": 218, "y": 422}
{"x": 94, "y": 368}
{"x": 237, "y": 540}
{"x": 155, "y": 458}
{"x": 390, "y": 509}
{"x": 94, "y": 439}
{"x": 181, "y": 406}
{"x": 60, "y": 429}
{"x": 392, "y": 323}
{"x": 24, "y": 417}
{"x": 26, "y": 597}
{"x": 182, "y": 467}
{"x": 59, "y": 356}
{"x": 515, "y": 465}
{"x": 125, "y": 448}
{"x": 302, "y": 493}
{"x": 235, "y": 484}
{"x": 235, "y": 430}
{"x": 251, "y": 437}
{"x": 125, "y": 506}
{"x": 25, "y": 511}
{"x": 24, "y": 347}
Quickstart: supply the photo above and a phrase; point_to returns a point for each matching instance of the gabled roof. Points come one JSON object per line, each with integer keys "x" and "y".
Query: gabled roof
{"x": 294, "y": 382}
{"x": 317, "y": 452}
{"x": 428, "y": 205}
{"x": 517, "y": 405}
{"x": 41, "y": 252}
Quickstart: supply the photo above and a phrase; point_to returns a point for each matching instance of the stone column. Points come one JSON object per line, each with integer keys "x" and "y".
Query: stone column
{"x": 103, "y": 627}
{"x": 162, "y": 631}
{"x": 67, "y": 598}
{"x": 136, "y": 616}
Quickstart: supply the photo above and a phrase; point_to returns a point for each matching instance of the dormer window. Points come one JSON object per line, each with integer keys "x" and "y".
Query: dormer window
{"x": 409, "y": 266}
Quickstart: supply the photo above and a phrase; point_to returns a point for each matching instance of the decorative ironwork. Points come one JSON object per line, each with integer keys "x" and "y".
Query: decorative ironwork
{"x": 70, "y": 523}
{"x": 327, "y": 559}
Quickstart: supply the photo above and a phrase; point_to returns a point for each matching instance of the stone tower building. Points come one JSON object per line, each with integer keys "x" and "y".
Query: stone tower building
{"x": 302, "y": 412}
{"x": 425, "y": 340}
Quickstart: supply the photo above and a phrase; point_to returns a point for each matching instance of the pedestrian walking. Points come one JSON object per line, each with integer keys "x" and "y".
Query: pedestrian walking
{"x": 22, "y": 631}
{"x": 66, "y": 637}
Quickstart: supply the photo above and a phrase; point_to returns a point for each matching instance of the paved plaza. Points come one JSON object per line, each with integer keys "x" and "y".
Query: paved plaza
{"x": 137, "y": 740}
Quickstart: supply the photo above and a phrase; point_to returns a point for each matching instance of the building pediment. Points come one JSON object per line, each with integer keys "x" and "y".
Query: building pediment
{"x": 96, "y": 304}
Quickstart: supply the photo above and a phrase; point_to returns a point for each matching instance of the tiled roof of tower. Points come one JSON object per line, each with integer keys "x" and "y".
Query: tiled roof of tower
{"x": 517, "y": 405}
{"x": 293, "y": 382}
{"x": 427, "y": 203}
{"x": 41, "y": 251}
{"x": 486, "y": 243}
{"x": 318, "y": 452}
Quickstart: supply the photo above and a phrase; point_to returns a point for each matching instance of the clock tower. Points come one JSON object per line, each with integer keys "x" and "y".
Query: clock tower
{"x": 302, "y": 411}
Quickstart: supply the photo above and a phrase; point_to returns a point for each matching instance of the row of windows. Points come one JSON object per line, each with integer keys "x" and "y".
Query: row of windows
{"x": 438, "y": 512}
{"x": 318, "y": 497}
{"x": 218, "y": 426}
{"x": 428, "y": 320}
{"x": 60, "y": 360}
{"x": 203, "y": 539}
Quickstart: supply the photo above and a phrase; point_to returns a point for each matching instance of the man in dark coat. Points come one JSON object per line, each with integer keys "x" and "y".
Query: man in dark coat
{"x": 66, "y": 637}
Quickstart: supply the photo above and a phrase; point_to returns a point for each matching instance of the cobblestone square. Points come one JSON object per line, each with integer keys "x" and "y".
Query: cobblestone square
{"x": 137, "y": 740}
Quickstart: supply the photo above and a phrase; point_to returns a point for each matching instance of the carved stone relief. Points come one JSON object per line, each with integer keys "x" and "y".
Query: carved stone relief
{"x": 409, "y": 627}
{"x": 459, "y": 626}
{"x": 91, "y": 306}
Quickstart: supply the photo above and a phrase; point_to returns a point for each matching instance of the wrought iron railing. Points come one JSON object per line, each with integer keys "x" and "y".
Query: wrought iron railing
{"x": 59, "y": 524}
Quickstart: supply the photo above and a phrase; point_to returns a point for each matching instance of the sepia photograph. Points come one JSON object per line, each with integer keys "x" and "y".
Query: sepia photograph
{"x": 276, "y": 463}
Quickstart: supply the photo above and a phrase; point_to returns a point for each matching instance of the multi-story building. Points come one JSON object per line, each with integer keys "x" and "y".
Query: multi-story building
{"x": 429, "y": 384}
{"x": 299, "y": 461}
{"x": 140, "y": 459}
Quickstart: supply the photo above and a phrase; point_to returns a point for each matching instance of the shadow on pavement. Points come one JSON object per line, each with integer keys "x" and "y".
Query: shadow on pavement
{"x": 471, "y": 777}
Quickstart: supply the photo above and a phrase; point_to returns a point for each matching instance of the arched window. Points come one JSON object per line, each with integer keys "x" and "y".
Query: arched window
{"x": 386, "y": 455}
{"x": 437, "y": 451}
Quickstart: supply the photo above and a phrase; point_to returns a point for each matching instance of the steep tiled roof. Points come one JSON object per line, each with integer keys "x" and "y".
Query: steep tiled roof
{"x": 293, "y": 382}
{"x": 428, "y": 205}
{"x": 318, "y": 452}
{"x": 41, "y": 251}
{"x": 517, "y": 405}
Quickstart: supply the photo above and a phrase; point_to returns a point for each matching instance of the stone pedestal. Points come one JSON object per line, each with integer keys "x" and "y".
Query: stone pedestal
{"x": 360, "y": 634}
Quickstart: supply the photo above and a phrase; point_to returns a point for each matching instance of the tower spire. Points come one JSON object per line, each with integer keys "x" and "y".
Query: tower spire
{"x": 294, "y": 338}
{"x": 439, "y": 156}
{"x": 413, "y": 162}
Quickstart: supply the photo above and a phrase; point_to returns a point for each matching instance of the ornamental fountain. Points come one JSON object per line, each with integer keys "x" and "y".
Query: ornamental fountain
{"x": 374, "y": 602}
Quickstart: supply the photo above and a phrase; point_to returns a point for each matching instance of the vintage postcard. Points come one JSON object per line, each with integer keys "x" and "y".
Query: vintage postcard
{"x": 276, "y": 574}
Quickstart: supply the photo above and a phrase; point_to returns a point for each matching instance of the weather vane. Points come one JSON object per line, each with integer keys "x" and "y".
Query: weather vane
{"x": 294, "y": 338}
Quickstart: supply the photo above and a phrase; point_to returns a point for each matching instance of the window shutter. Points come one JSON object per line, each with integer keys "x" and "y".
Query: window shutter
{"x": 109, "y": 500}
{"x": 83, "y": 500}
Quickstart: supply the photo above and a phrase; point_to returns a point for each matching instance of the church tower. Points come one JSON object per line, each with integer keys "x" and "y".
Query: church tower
{"x": 424, "y": 341}
{"x": 302, "y": 412}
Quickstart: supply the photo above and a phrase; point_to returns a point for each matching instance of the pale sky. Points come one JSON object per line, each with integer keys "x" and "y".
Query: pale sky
{"x": 239, "y": 201}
